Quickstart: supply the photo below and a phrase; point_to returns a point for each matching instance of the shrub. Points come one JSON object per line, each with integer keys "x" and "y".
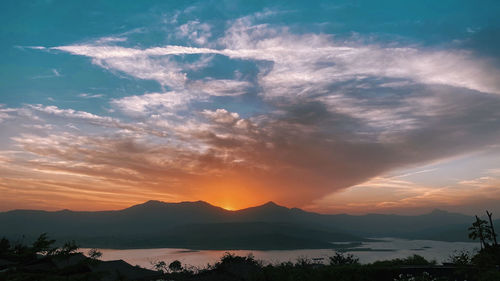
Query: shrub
{"x": 343, "y": 259}
{"x": 175, "y": 266}
{"x": 462, "y": 257}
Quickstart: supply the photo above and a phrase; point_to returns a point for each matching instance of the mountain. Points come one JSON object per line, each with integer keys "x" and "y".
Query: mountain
{"x": 199, "y": 225}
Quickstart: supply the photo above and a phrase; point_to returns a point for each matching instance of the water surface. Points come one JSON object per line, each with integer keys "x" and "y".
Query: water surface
{"x": 385, "y": 248}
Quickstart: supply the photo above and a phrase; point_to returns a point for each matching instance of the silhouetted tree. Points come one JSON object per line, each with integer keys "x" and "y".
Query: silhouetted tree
{"x": 160, "y": 266}
{"x": 343, "y": 259}
{"x": 4, "y": 245}
{"x": 43, "y": 245}
{"x": 67, "y": 249}
{"x": 175, "y": 266}
{"x": 94, "y": 254}
{"x": 481, "y": 230}
{"x": 462, "y": 257}
{"x": 493, "y": 234}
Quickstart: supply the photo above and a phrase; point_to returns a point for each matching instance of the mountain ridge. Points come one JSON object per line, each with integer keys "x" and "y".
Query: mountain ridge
{"x": 163, "y": 222}
{"x": 150, "y": 203}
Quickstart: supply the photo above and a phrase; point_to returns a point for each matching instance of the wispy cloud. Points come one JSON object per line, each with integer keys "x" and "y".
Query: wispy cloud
{"x": 313, "y": 59}
{"x": 54, "y": 73}
{"x": 195, "y": 31}
{"x": 91, "y": 96}
{"x": 389, "y": 195}
{"x": 150, "y": 103}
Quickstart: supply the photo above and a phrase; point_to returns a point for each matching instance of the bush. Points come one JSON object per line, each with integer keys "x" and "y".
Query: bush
{"x": 175, "y": 266}
{"x": 462, "y": 257}
{"x": 411, "y": 260}
{"x": 487, "y": 257}
{"x": 343, "y": 259}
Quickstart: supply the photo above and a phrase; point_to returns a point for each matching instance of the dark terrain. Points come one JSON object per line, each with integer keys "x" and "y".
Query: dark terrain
{"x": 199, "y": 225}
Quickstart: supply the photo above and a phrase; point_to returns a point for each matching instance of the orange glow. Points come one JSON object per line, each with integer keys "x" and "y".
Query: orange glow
{"x": 232, "y": 193}
{"x": 227, "y": 207}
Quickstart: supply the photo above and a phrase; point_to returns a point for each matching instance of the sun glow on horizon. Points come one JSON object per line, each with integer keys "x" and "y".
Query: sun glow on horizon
{"x": 228, "y": 208}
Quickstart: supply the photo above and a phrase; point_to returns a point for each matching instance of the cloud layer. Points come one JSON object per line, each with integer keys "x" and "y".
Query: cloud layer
{"x": 332, "y": 115}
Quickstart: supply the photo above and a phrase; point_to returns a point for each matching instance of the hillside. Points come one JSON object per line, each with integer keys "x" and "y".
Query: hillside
{"x": 199, "y": 225}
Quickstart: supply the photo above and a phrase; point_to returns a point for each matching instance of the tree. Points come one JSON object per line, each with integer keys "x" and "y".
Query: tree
{"x": 175, "y": 266}
{"x": 94, "y": 254}
{"x": 480, "y": 230}
{"x": 4, "y": 245}
{"x": 493, "y": 234}
{"x": 43, "y": 245}
{"x": 160, "y": 266}
{"x": 68, "y": 249}
{"x": 343, "y": 259}
{"x": 462, "y": 257}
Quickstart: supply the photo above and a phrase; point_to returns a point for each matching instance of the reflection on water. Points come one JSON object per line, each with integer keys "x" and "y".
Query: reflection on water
{"x": 387, "y": 248}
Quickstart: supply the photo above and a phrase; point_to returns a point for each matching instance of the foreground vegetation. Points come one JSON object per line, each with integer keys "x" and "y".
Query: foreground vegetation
{"x": 340, "y": 267}
{"x": 43, "y": 261}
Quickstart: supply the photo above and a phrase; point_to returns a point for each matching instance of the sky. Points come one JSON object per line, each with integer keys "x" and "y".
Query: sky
{"x": 331, "y": 106}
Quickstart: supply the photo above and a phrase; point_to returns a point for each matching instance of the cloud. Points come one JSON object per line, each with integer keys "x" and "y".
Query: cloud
{"x": 389, "y": 195}
{"x": 150, "y": 103}
{"x": 91, "y": 96}
{"x": 4, "y": 113}
{"x": 295, "y": 155}
{"x": 314, "y": 63}
{"x": 334, "y": 115}
{"x": 195, "y": 31}
{"x": 221, "y": 116}
{"x": 220, "y": 87}
{"x": 54, "y": 73}
{"x": 87, "y": 118}
{"x": 110, "y": 39}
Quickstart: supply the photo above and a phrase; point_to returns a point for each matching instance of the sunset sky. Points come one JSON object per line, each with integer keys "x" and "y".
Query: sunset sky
{"x": 346, "y": 106}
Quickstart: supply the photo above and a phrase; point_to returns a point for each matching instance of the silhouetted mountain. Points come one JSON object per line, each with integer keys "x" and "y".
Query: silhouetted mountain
{"x": 200, "y": 225}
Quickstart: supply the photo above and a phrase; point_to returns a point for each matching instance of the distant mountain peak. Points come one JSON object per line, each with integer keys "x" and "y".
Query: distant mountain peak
{"x": 271, "y": 203}
{"x": 147, "y": 205}
{"x": 270, "y": 206}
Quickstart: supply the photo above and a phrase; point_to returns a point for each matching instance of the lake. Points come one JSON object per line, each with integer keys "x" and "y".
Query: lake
{"x": 385, "y": 248}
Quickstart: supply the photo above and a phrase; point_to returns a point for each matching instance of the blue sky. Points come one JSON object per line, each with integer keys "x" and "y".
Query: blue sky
{"x": 334, "y": 106}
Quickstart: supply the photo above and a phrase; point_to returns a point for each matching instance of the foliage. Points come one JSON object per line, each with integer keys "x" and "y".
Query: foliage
{"x": 489, "y": 275}
{"x": 4, "y": 246}
{"x": 425, "y": 276}
{"x": 411, "y": 260}
{"x": 481, "y": 266}
{"x": 492, "y": 227}
{"x": 67, "y": 249}
{"x": 94, "y": 254}
{"x": 462, "y": 257}
{"x": 303, "y": 261}
{"x": 43, "y": 245}
{"x": 482, "y": 231}
{"x": 230, "y": 258}
{"x": 343, "y": 259}
{"x": 487, "y": 257}
{"x": 160, "y": 266}
{"x": 43, "y": 261}
{"x": 175, "y": 266}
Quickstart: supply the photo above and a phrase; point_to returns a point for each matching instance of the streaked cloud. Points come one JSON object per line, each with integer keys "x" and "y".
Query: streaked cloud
{"x": 313, "y": 59}
{"x": 91, "y": 96}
